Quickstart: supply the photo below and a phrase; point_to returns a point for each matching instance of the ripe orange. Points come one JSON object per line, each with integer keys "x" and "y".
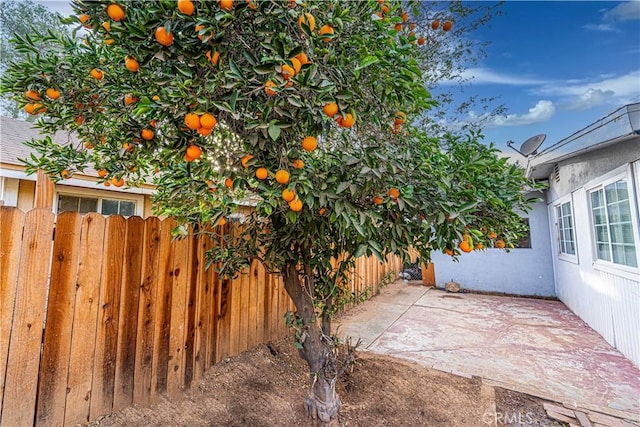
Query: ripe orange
{"x": 131, "y": 64}
{"x": 347, "y": 121}
{"x": 308, "y": 20}
{"x": 203, "y": 131}
{"x": 107, "y": 26}
{"x": 297, "y": 164}
{"x": 378, "y": 200}
{"x": 435, "y": 25}
{"x": 384, "y": 9}
{"x": 465, "y": 246}
{"x": 107, "y": 184}
{"x": 421, "y": 41}
{"x": 153, "y": 123}
{"x": 213, "y": 57}
{"x": 147, "y": 134}
{"x": 262, "y": 173}
{"x": 102, "y": 173}
{"x": 208, "y": 120}
{"x": 288, "y": 195}
{"x": 330, "y": 109}
{"x": 295, "y": 205}
{"x": 155, "y": 98}
{"x": 322, "y": 211}
{"x": 35, "y": 108}
{"x": 83, "y": 17}
{"x": 287, "y": 72}
{"x": 222, "y": 221}
{"x": 97, "y": 74}
{"x": 302, "y": 57}
{"x": 197, "y": 30}
{"x": 245, "y": 160}
{"x": 500, "y": 244}
{"x": 327, "y": 31}
{"x": 448, "y": 252}
{"x": 282, "y": 176}
{"x": 479, "y": 246}
{"x": 186, "y": 7}
{"x": 88, "y": 145}
{"x": 65, "y": 174}
{"x": 398, "y": 27}
{"x": 164, "y": 38}
{"x": 108, "y": 42}
{"x": 412, "y": 26}
{"x": 399, "y": 118}
{"x": 405, "y": 16}
{"x": 79, "y": 120}
{"x": 394, "y": 193}
{"x": 492, "y": 235}
{"x": 309, "y": 143}
{"x": 447, "y": 26}
{"x": 252, "y": 5}
{"x": 129, "y": 99}
{"x": 194, "y": 152}
{"x": 296, "y": 64}
{"x": 128, "y": 146}
{"x": 53, "y": 93}
{"x": 32, "y": 95}
{"x": 228, "y": 183}
{"x": 192, "y": 120}
{"x": 267, "y": 88}
{"x": 226, "y": 4}
{"x": 115, "y": 12}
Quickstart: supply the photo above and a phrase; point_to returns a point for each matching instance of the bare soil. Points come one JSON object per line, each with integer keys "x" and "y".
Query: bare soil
{"x": 266, "y": 386}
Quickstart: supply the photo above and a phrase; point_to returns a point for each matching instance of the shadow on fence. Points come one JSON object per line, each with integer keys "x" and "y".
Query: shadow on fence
{"x": 99, "y": 313}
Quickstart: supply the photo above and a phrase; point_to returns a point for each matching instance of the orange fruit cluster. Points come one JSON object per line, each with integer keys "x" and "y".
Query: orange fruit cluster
{"x": 204, "y": 123}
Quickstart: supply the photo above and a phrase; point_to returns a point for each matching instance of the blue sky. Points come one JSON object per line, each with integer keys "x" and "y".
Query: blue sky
{"x": 557, "y": 66}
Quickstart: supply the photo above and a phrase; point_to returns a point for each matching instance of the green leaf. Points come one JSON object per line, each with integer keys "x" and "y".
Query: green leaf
{"x": 274, "y": 131}
{"x": 342, "y": 186}
{"x": 367, "y": 61}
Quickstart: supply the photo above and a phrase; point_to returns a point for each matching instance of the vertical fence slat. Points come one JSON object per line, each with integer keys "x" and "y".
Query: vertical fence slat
{"x": 128, "y": 317}
{"x": 212, "y": 316}
{"x": 146, "y": 312}
{"x": 260, "y": 284}
{"x": 175, "y": 374}
{"x": 243, "y": 325}
{"x": 203, "y": 305}
{"x": 104, "y": 366}
{"x": 225, "y": 296}
{"x": 190, "y": 315}
{"x": 83, "y": 336}
{"x": 162, "y": 328}
{"x": 19, "y": 404}
{"x": 11, "y": 226}
{"x": 60, "y": 308}
{"x": 252, "y": 309}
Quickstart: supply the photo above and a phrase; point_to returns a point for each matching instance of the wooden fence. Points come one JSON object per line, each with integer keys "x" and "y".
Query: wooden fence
{"x": 98, "y": 313}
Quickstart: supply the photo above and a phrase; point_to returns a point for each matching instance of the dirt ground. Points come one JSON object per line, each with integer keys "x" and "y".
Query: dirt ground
{"x": 266, "y": 386}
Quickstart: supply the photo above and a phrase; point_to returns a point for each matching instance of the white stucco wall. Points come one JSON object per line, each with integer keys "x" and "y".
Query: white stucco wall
{"x": 521, "y": 271}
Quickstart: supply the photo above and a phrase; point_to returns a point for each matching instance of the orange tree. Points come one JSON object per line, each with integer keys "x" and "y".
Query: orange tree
{"x": 302, "y": 109}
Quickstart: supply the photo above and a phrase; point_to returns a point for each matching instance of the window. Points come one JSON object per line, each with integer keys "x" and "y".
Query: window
{"x": 566, "y": 240}
{"x": 612, "y": 224}
{"x": 96, "y": 204}
{"x": 525, "y": 241}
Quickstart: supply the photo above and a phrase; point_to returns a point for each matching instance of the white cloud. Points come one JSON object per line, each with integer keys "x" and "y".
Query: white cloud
{"x": 627, "y": 11}
{"x": 481, "y": 75}
{"x": 541, "y": 112}
{"x": 580, "y": 95}
{"x": 605, "y": 28}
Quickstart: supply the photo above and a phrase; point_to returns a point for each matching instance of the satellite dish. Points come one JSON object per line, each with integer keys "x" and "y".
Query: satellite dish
{"x": 530, "y": 146}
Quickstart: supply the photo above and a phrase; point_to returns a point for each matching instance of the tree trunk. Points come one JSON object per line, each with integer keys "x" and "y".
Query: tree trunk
{"x": 322, "y": 402}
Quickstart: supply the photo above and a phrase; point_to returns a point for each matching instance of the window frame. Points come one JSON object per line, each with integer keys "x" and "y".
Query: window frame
{"x": 623, "y": 173}
{"x": 574, "y": 258}
{"x": 137, "y": 199}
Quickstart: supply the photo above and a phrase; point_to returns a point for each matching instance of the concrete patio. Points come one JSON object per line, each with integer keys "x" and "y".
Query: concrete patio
{"x": 534, "y": 346}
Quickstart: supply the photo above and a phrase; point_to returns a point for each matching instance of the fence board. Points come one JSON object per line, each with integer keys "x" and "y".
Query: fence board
{"x": 259, "y": 286}
{"x": 180, "y": 281}
{"x": 224, "y": 318}
{"x": 128, "y": 317}
{"x": 190, "y": 315}
{"x": 203, "y": 306}
{"x": 83, "y": 336}
{"x": 146, "y": 312}
{"x": 60, "y": 308}
{"x": 18, "y": 406}
{"x": 243, "y": 300}
{"x": 234, "y": 320}
{"x": 162, "y": 327}
{"x": 11, "y": 225}
{"x": 104, "y": 366}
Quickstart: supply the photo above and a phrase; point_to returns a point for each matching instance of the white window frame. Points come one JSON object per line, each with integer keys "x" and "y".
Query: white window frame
{"x": 99, "y": 194}
{"x": 622, "y": 173}
{"x": 563, "y": 255}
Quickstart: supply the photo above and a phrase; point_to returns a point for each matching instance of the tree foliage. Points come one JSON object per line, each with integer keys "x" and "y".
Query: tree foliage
{"x": 223, "y": 104}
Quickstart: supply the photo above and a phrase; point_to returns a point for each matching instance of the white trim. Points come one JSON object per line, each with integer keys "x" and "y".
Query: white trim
{"x": 9, "y": 189}
{"x": 573, "y": 258}
{"x": 617, "y": 269}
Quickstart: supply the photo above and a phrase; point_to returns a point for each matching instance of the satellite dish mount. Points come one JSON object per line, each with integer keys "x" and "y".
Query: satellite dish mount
{"x": 530, "y": 146}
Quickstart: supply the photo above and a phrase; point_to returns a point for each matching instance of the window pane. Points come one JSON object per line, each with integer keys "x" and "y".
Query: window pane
{"x": 603, "y": 251}
{"x": 127, "y": 208}
{"x": 68, "y": 204}
{"x": 109, "y": 207}
{"x": 602, "y": 233}
{"x": 88, "y": 205}
{"x": 596, "y": 199}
